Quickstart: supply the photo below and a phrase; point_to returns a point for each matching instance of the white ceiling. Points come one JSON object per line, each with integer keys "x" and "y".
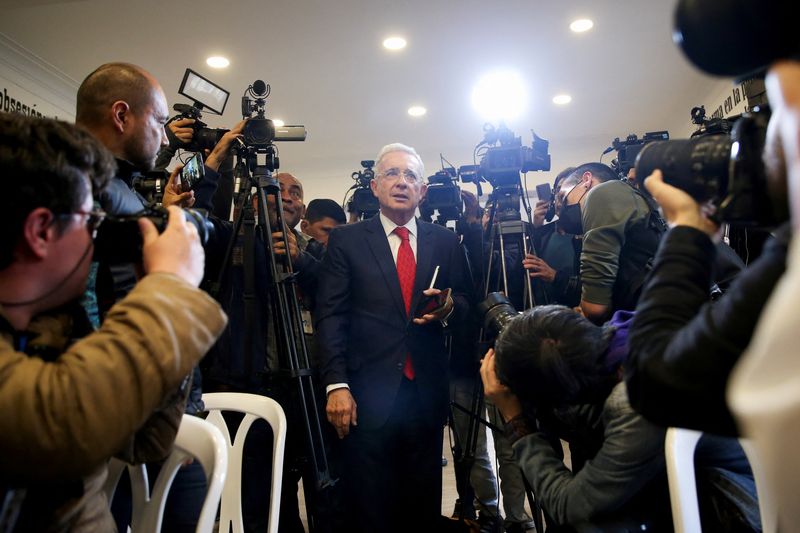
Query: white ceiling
{"x": 328, "y": 70}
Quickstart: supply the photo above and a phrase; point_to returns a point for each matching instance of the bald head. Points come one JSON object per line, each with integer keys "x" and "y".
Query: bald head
{"x": 109, "y": 83}
{"x": 125, "y": 108}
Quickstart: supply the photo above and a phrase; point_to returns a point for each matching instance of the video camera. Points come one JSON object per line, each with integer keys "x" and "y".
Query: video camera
{"x": 363, "y": 202}
{"x": 721, "y": 163}
{"x": 259, "y": 131}
{"x": 119, "y": 239}
{"x": 501, "y": 165}
{"x": 443, "y": 196}
{"x": 628, "y": 149}
{"x": 205, "y": 95}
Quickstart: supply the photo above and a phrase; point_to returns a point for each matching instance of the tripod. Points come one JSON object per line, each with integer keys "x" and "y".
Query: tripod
{"x": 293, "y": 364}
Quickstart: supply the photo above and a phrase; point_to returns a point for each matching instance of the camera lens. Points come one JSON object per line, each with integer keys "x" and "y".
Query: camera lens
{"x": 497, "y": 311}
{"x": 698, "y": 166}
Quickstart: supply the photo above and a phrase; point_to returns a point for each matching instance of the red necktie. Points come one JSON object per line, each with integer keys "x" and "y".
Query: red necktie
{"x": 406, "y": 272}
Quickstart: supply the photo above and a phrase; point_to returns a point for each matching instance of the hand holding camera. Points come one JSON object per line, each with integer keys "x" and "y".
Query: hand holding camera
{"x": 177, "y": 251}
{"x": 679, "y": 208}
{"x": 175, "y": 193}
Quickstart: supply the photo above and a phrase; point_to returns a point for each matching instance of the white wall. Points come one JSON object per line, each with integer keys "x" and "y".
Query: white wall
{"x": 30, "y": 85}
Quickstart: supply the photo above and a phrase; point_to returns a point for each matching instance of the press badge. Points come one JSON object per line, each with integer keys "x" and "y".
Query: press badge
{"x": 305, "y": 316}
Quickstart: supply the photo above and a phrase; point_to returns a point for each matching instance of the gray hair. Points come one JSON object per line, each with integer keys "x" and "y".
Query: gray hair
{"x": 399, "y": 147}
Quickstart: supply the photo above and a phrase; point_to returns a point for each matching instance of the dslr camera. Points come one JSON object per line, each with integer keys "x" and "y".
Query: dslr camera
{"x": 497, "y": 311}
{"x": 119, "y": 239}
{"x": 721, "y": 163}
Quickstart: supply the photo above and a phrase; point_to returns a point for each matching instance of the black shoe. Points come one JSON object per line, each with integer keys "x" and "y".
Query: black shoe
{"x": 459, "y": 507}
{"x": 490, "y": 523}
{"x": 444, "y": 461}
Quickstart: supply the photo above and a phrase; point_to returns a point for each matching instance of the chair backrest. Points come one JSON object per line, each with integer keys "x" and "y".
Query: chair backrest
{"x": 196, "y": 439}
{"x": 679, "y": 448}
{"x": 253, "y": 406}
{"x": 679, "y": 451}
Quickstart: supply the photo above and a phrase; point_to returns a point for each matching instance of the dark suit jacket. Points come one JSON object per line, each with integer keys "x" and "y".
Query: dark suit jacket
{"x": 363, "y": 332}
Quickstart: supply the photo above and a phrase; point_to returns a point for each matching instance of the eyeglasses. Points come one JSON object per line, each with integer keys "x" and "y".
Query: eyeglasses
{"x": 95, "y": 217}
{"x": 394, "y": 174}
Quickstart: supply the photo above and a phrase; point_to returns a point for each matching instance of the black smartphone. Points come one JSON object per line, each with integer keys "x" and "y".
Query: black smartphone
{"x": 544, "y": 192}
{"x": 192, "y": 172}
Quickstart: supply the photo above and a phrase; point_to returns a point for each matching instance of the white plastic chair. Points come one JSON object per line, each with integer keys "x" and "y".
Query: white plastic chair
{"x": 253, "y": 406}
{"x": 679, "y": 448}
{"x": 196, "y": 439}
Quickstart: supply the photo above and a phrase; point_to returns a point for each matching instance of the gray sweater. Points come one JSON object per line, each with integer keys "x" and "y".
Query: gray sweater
{"x": 631, "y": 456}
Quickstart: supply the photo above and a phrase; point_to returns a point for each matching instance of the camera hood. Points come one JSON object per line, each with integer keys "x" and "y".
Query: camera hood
{"x": 736, "y": 38}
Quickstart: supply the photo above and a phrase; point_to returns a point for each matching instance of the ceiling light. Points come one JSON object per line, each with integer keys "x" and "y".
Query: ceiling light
{"x": 217, "y": 62}
{"x": 417, "y": 111}
{"x": 278, "y": 122}
{"x": 581, "y": 25}
{"x": 394, "y": 43}
{"x": 499, "y": 95}
{"x": 562, "y": 99}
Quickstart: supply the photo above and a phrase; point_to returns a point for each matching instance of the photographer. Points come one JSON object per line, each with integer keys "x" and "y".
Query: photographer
{"x": 124, "y": 108}
{"x": 683, "y": 348}
{"x": 558, "y": 262}
{"x": 620, "y": 232}
{"x": 556, "y": 373}
{"x": 72, "y": 398}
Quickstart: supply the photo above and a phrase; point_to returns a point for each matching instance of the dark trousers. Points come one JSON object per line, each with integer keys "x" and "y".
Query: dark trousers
{"x": 394, "y": 472}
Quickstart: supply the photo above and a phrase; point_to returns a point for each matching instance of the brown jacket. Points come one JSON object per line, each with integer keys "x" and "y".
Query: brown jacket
{"x": 63, "y": 419}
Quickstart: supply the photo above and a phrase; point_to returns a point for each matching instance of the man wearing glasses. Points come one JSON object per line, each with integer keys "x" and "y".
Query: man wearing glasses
{"x": 621, "y": 231}
{"x": 71, "y": 397}
{"x": 384, "y": 361}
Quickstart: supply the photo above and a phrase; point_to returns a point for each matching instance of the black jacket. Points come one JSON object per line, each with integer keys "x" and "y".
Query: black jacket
{"x": 360, "y": 318}
{"x": 683, "y": 348}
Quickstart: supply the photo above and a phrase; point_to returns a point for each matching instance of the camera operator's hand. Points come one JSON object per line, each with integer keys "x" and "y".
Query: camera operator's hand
{"x": 173, "y": 194}
{"x": 176, "y": 251}
{"x": 539, "y": 213}
{"x": 679, "y": 208}
{"x": 500, "y": 395}
{"x": 280, "y": 246}
{"x": 182, "y": 129}
{"x": 220, "y": 151}
{"x": 472, "y": 208}
{"x": 537, "y": 268}
{"x": 441, "y": 314}
{"x": 341, "y": 410}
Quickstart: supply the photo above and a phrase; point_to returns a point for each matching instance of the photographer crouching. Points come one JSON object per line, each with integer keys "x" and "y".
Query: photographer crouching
{"x": 553, "y": 373}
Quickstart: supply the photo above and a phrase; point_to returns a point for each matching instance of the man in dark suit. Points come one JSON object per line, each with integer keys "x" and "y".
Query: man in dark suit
{"x": 384, "y": 361}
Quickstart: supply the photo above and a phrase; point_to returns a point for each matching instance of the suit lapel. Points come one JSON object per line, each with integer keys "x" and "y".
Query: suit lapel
{"x": 379, "y": 245}
{"x": 424, "y": 272}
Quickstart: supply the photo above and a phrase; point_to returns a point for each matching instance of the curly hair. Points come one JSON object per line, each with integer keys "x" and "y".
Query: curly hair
{"x": 45, "y": 163}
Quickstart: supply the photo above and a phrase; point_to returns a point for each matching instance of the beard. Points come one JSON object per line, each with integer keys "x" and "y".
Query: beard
{"x": 137, "y": 154}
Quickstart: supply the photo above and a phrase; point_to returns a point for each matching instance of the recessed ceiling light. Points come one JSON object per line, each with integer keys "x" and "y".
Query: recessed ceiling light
{"x": 417, "y": 111}
{"x": 394, "y": 43}
{"x": 278, "y": 122}
{"x": 562, "y": 99}
{"x": 581, "y": 25}
{"x": 217, "y": 62}
{"x": 500, "y": 95}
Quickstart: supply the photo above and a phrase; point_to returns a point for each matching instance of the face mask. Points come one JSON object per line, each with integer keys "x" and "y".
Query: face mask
{"x": 570, "y": 219}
